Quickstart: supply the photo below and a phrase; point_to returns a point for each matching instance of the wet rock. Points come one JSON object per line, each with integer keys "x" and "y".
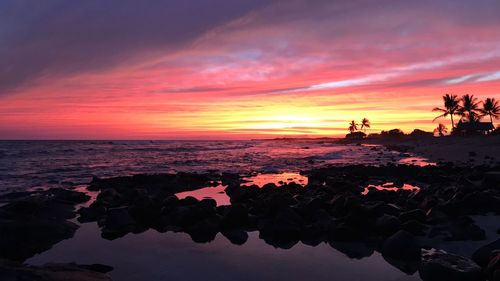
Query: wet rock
{"x": 20, "y": 240}
{"x": 30, "y": 225}
{"x": 415, "y": 227}
{"x": 493, "y": 268}
{"x": 93, "y": 213}
{"x": 438, "y": 266}
{"x": 387, "y": 224}
{"x": 417, "y": 215}
{"x": 204, "y": 231}
{"x": 118, "y": 222}
{"x": 483, "y": 255}
{"x": 68, "y": 196}
{"x": 236, "y": 236}
{"x": 464, "y": 228}
{"x": 234, "y": 216}
{"x": 401, "y": 246}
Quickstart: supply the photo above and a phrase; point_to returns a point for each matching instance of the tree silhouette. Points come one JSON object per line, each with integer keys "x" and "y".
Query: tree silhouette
{"x": 451, "y": 106}
{"x": 469, "y": 108}
{"x": 353, "y": 127}
{"x": 491, "y": 107}
{"x": 441, "y": 130}
{"x": 365, "y": 123}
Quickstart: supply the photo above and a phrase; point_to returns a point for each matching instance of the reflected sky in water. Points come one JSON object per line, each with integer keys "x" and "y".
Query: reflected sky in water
{"x": 173, "y": 256}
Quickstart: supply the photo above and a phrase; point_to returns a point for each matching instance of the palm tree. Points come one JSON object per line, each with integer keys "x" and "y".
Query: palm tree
{"x": 353, "y": 127}
{"x": 491, "y": 107}
{"x": 450, "y": 108}
{"x": 441, "y": 130}
{"x": 365, "y": 123}
{"x": 469, "y": 108}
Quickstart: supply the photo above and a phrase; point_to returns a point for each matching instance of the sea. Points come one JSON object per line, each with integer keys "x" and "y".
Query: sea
{"x": 28, "y": 165}
{"x": 33, "y": 165}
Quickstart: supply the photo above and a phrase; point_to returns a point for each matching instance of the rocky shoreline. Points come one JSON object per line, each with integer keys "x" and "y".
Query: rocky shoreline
{"x": 333, "y": 207}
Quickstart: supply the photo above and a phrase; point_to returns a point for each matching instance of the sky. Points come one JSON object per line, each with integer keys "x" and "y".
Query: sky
{"x": 225, "y": 69}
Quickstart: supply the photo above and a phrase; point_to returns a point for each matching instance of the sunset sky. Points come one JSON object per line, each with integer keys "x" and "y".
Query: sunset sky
{"x": 226, "y": 69}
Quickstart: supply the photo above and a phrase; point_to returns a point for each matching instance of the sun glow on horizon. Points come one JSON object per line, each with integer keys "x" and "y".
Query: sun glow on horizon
{"x": 274, "y": 70}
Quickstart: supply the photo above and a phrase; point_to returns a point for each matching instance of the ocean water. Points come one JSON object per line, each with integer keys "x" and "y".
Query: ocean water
{"x": 43, "y": 164}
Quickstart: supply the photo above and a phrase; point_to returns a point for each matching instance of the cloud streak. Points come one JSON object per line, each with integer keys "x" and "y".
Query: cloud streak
{"x": 204, "y": 67}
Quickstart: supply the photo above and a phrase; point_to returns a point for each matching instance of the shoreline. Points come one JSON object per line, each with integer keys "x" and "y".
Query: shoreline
{"x": 460, "y": 150}
{"x": 399, "y": 211}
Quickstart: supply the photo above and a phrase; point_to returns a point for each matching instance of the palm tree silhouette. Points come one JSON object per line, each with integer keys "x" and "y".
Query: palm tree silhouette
{"x": 441, "y": 130}
{"x": 365, "y": 123}
{"x": 491, "y": 107}
{"x": 469, "y": 108}
{"x": 353, "y": 127}
{"x": 451, "y": 108}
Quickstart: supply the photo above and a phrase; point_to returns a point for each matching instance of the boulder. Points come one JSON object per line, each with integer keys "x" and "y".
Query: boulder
{"x": 401, "y": 246}
{"x": 387, "y": 224}
{"x": 236, "y": 236}
{"x": 417, "y": 215}
{"x": 493, "y": 268}
{"x": 234, "y": 216}
{"x": 117, "y": 223}
{"x": 483, "y": 255}
{"x": 439, "y": 266}
{"x": 20, "y": 240}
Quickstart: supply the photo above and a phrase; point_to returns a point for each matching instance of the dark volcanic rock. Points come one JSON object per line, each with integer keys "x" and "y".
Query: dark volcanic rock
{"x": 387, "y": 224}
{"x": 236, "y": 236}
{"x": 117, "y": 223}
{"x": 417, "y": 215}
{"x": 401, "y": 246}
{"x": 32, "y": 224}
{"x": 493, "y": 268}
{"x": 20, "y": 240}
{"x": 234, "y": 216}
{"x": 438, "y": 266}
{"x": 483, "y": 255}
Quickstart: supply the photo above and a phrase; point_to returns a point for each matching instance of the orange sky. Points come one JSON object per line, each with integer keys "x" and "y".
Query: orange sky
{"x": 273, "y": 70}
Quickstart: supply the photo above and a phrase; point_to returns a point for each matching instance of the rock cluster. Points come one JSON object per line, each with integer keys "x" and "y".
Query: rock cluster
{"x": 329, "y": 209}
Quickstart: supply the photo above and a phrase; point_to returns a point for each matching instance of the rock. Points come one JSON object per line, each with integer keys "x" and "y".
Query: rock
{"x": 401, "y": 246}
{"x": 234, "y": 216}
{"x": 117, "y": 223}
{"x": 439, "y": 266}
{"x": 387, "y": 224}
{"x": 236, "y": 236}
{"x": 464, "y": 228}
{"x": 414, "y": 227}
{"x": 484, "y": 254}
{"x": 204, "y": 231}
{"x": 417, "y": 215}
{"x": 93, "y": 213}
{"x": 68, "y": 196}
{"x": 20, "y": 240}
{"x": 493, "y": 268}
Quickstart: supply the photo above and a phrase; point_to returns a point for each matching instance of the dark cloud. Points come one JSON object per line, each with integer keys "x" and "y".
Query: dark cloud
{"x": 54, "y": 37}
{"x": 60, "y": 37}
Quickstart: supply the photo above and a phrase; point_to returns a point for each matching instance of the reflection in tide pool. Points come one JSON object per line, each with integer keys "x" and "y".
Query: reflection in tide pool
{"x": 213, "y": 192}
{"x": 278, "y": 179}
{"x": 219, "y": 195}
{"x": 390, "y": 186}
{"x": 173, "y": 256}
